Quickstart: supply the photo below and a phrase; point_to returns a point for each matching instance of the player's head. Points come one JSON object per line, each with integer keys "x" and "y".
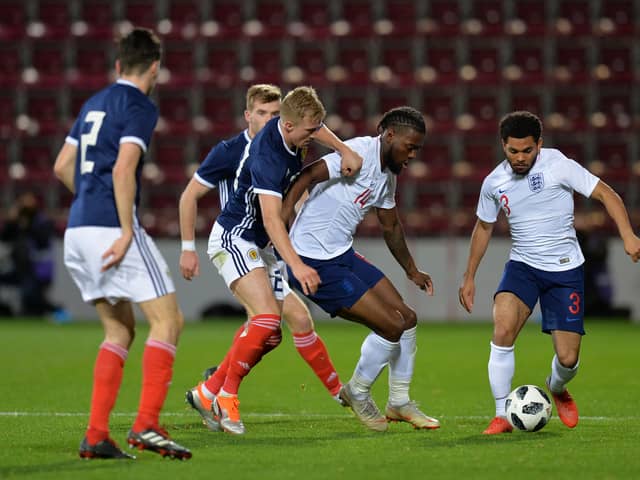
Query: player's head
{"x": 301, "y": 115}
{"x": 263, "y": 103}
{"x": 521, "y": 134}
{"x": 139, "y": 55}
{"x": 402, "y": 131}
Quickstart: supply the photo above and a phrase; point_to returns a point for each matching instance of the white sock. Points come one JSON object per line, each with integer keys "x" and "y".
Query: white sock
{"x": 401, "y": 368}
{"x": 502, "y": 366}
{"x": 561, "y": 375}
{"x": 207, "y": 393}
{"x": 375, "y": 353}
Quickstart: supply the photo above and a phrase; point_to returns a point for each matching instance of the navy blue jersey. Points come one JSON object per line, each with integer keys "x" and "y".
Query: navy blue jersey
{"x": 120, "y": 113}
{"x": 220, "y": 166}
{"x": 267, "y": 167}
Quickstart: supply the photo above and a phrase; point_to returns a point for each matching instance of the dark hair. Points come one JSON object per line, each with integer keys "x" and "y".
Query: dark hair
{"x": 520, "y": 124}
{"x": 402, "y": 117}
{"x": 138, "y": 50}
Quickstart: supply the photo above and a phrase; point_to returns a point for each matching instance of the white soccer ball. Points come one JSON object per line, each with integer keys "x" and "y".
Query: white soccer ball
{"x": 528, "y": 408}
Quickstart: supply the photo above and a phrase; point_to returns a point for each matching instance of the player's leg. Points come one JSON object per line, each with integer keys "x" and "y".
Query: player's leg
{"x": 563, "y": 308}
{"x": 400, "y": 407}
{"x": 308, "y": 343}
{"x": 119, "y": 330}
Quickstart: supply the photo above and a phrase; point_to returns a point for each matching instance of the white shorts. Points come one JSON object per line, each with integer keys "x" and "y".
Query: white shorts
{"x": 142, "y": 275}
{"x": 234, "y": 257}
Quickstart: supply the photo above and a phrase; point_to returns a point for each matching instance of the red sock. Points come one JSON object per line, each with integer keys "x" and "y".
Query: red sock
{"x": 157, "y": 370}
{"x": 311, "y": 347}
{"x": 249, "y": 349}
{"x": 107, "y": 377}
{"x": 214, "y": 382}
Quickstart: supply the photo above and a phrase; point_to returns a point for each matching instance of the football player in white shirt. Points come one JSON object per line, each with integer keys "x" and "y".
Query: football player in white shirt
{"x": 350, "y": 286}
{"x": 534, "y": 188}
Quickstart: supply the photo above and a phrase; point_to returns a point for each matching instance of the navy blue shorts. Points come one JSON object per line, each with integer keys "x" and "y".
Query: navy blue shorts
{"x": 345, "y": 279}
{"x": 561, "y": 294}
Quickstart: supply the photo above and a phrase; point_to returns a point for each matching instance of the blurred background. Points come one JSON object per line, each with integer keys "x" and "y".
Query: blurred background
{"x": 463, "y": 63}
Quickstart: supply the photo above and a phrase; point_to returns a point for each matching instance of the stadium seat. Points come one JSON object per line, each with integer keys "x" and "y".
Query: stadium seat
{"x": 391, "y": 97}
{"x": 178, "y": 58}
{"x": 570, "y": 108}
{"x": 397, "y": 56}
{"x": 439, "y": 64}
{"x": 490, "y": 14}
{"x": 316, "y": 18}
{"x": 529, "y": 18}
{"x": 402, "y": 14}
{"x": 96, "y": 20}
{"x": 614, "y": 155}
{"x": 526, "y": 64}
{"x": 483, "y": 64}
{"x": 37, "y": 155}
{"x": 93, "y": 62}
{"x": 438, "y": 159}
{"x": 49, "y": 60}
{"x": 222, "y": 65}
{"x": 219, "y": 108}
{"x": 439, "y": 109}
{"x": 10, "y": 64}
{"x": 311, "y": 58}
{"x": 528, "y": 99}
{"x": 617, "y": 109}
{"x": 43, "y": 106}
{"x": 185, "y": 17}
{"x": 7, "y": 114}
{"x": 615, "y": 63}
{"x": 617, "y": 17}
{"x": 352, "y": 106}
{"x": 571, "y": 146}
{"x": 446, "y": 15}
{"x": 12, "y": 19}
{"x": 573, "y": 17}
{"x": 229, "y": 17}
{"x": 141, "y": 13}
{"x": 359, "y": 16}
{"x": 265, "y": 62}
{"x": 481, "y": 155}
{"x": 55, "y": 17}
{"x": 484, "y": 108}
{"x": 175, "y": 110}
{"x": 571, "y": 63}
{"x": 169, "y": 154}
{"x": 273, "y": 17}
{"x": 351, "y": 63}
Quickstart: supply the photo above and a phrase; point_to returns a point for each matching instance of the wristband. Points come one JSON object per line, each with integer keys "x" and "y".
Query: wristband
{"x": 188, "y": 245}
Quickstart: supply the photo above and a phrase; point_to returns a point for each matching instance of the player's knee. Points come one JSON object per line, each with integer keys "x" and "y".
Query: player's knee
{"x": 568, "y": 359}
{"x": 504, "y": 334}
{"x": 298, "y": 322}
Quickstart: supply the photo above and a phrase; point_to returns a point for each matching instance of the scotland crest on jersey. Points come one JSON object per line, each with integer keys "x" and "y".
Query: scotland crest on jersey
{"x": 536, "y": 182}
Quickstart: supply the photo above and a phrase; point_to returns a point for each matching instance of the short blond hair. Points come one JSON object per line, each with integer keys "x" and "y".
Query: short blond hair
{"x": 302, "y": 102}
{"x": 264, "y": 93}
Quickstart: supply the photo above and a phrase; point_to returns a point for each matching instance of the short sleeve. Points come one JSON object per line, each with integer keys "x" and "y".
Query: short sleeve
{"x": 333, "y": 161}
{"x": 267, "y": 173}
{"x": 575, "y": 176}
{"x": 217, "y": 166}
{"x": 488, "y": 207}
{"x": 140, "y": 121}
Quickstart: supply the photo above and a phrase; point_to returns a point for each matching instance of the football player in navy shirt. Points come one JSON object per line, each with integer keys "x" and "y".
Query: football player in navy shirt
{"x": 109, "y": 255}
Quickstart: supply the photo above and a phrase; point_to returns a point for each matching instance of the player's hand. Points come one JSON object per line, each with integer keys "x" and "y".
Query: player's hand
{"x": 116, "y": 252}
{"x": 189, "y": 264}
{"x": 466, "y": 294}
{"x": 308, "y": 278}
{"x": 350, "y": 164}
{"x": 632, "y": 247}
{"x": 423, "y": 281}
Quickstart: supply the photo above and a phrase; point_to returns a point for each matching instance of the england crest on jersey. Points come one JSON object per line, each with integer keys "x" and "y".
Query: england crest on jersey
{"x": 536, "y": 182}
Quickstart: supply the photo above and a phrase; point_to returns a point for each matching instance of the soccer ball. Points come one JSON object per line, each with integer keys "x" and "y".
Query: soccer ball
{"x": 528, "y": 408}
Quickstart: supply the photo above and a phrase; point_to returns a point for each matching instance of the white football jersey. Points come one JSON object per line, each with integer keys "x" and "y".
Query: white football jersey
{"x": 539, "y": 209}
{"x": 326, "y": 223}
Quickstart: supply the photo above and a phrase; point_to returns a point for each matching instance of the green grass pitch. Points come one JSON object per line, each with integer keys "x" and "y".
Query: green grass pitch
{"x": 296, "y": 431}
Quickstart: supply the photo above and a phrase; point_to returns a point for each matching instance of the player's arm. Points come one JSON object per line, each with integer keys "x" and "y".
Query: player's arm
{"x": 124, "y": 190}
{"x": 64, "y": 168}
{"x": 271, "y": 207}
{"x": 351, "y": 162}
{"x": 478, "y": 246}
{"x": 617, "y": 211}
{"x": 188, "y": 211}
{"x": 394, "y": 238}
{"x": 315, "y": 173}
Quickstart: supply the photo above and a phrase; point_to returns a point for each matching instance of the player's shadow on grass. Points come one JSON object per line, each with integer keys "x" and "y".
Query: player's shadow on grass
{"x": 66, "y": 469}
{"x": 480, "y": 439}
